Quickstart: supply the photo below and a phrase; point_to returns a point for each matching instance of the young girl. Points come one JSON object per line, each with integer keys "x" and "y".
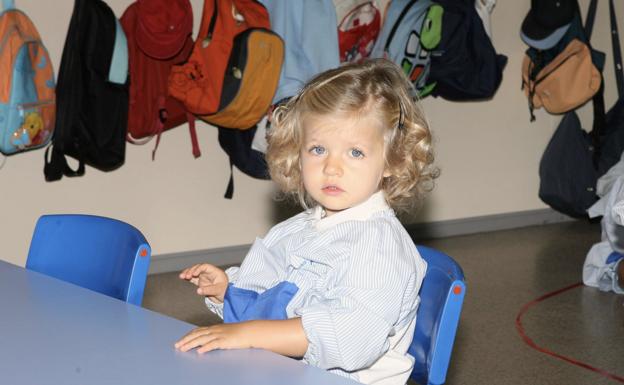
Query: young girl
{"x": 337, "y": 284}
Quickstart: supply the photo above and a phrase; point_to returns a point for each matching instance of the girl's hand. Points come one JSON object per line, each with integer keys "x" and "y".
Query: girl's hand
{"x": 285, "y": 337}
{"x": 210, "y": 280}
{"x": 222, "y": 336}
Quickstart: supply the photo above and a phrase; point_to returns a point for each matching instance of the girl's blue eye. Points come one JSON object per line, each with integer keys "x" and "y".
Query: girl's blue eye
{"x": 357, "y": 153}
{"x": 317, "y": 150}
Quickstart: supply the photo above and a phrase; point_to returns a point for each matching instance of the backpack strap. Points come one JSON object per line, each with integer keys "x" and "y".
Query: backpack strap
{"x": 213, "y": 22}
{"x": 57, "y": 166}
{"x": 229, "y": 191}
{"x": 599, "y": 122}
{"x": 158, "y": 123}
{"x": 617, "y": 52}
{"x": 158, "y": 128}
{"x": 191, "y": 121}
{"x": 589, "y": 19}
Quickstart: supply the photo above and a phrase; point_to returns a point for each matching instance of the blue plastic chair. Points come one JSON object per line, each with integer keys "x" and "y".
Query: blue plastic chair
{"x": 97, "y": 253}
{"x": 441, "y": 298}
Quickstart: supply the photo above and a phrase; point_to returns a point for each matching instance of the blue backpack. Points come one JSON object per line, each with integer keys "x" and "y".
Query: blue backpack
{"x": 27, "y": 99}
{"x": 411, "y": 31}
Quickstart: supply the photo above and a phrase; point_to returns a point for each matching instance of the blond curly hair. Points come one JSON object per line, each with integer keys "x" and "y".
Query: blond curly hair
{"x": 374, "y": 86}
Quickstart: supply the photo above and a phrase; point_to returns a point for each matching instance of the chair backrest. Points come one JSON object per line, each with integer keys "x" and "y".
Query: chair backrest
{"x": 441, "y": 298}
{"x": 97, "y": 253}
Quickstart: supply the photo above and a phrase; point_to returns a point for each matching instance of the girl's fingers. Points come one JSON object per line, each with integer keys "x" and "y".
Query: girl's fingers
{"x": 191, "y": 335}
{"x": 184, "y": 274}
{"x": 195, "y": 270}
{"x": 203, "y": 268}
{"x": 215, "y": 343}
{"x": 188, "y": 272}
{"x": 196, "y": 338}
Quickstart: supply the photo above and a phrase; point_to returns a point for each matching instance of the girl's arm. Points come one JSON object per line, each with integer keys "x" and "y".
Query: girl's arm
{"x": 285, "y": 337}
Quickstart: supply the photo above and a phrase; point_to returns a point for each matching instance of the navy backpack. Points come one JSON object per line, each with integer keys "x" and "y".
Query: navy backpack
{"x": 464, "y": 65}
{"x": 237, "y": 144}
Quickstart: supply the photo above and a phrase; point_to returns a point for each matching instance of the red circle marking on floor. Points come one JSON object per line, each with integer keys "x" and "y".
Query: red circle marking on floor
{"x": 532, "y": 343}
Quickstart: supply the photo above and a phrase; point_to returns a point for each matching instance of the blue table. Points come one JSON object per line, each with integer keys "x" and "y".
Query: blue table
{"x": 53, "y": 332}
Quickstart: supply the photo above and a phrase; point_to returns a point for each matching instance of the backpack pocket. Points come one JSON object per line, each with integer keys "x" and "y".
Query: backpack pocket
{"x": 250, "y": 79}
{"x": 566, "y": 82}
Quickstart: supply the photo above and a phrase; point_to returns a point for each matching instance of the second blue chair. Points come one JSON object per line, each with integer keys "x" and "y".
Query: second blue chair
{"x": 97, "y": 253}
{"x": 441, "y": 298}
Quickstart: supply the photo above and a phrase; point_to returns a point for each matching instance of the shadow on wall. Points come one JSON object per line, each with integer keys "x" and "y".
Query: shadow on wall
{"x": 283, "y": 208}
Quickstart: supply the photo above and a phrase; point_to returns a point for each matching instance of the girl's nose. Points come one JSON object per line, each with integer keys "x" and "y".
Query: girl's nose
{"x": 332, "y": 166}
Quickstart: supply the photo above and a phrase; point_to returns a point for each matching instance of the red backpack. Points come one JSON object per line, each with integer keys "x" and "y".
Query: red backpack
{"x": 159, "y": 36}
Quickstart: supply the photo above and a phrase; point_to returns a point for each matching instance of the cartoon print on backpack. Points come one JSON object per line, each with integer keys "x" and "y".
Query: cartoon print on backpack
{"x": 357, "y": 29}
{"x": 411, "y": 32}
{"x": 33, "y": 132}
{"x": 418, "y": 50}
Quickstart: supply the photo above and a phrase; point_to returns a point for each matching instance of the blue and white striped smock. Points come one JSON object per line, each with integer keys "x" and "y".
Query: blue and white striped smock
{"x": 358, "y": 275}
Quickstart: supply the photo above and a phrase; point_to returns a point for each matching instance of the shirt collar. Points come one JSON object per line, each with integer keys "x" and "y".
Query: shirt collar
{"x": 363, "y": 211}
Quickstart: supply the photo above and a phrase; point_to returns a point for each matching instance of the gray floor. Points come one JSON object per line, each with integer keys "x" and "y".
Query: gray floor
{"x": 504, "y": 270}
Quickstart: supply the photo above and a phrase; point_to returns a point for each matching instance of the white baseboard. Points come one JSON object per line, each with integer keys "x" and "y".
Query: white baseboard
{"x": 486, "y": 223}
{"x": 233, "y": 255}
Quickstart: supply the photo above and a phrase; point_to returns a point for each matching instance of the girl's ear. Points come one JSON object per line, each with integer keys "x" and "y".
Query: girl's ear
{"x": 387, "y": 173}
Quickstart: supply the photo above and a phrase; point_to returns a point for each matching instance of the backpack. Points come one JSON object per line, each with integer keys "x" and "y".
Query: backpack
{"x": 310, "y": 33}
{"x": 237, "y": 144}
{"x": 410, "y": 33}
{"x": 91, "y": 94}
{"x": 565, "y": 76}
{"x": 359, "y": 24}
{"x": 572, "y": 160}
{"x": 464, "y": 65}
{"x": 27, "y": 98}
{"x": 233, "y": 71}
{"x": 156, "y": 42}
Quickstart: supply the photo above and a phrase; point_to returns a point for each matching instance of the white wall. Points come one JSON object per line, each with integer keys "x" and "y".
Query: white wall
{"x": 488, "y": 153}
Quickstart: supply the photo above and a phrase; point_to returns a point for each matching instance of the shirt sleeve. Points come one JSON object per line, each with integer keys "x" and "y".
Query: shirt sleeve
{"x": 349, "y": 325}
{"x": 214, "y": 307}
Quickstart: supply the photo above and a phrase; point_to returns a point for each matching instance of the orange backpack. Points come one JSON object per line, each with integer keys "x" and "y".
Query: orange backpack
{"x": 27, "y": 98}
{"x": 233, "y": 71}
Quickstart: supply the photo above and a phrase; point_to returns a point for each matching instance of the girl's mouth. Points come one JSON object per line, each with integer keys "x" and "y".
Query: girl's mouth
{"x": 332, "y": 190}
